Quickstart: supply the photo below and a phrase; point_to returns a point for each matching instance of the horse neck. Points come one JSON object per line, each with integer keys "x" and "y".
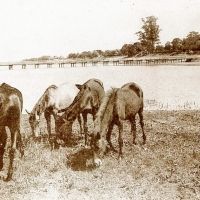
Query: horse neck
{"x": 106, "y": 115}
{"x": 39, "y": 107}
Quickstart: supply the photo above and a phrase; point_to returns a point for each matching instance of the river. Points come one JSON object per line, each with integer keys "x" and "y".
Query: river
{"x": 165, "y": 87}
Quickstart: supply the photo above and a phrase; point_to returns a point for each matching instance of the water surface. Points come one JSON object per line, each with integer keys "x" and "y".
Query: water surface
{"x": 165, "y": 87}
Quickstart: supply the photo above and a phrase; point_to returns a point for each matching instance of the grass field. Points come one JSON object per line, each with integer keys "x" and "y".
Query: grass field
{"x": 167, "y": 167}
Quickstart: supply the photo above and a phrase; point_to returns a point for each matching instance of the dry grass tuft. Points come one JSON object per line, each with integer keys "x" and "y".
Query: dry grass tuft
{"x": 167, "y": 167}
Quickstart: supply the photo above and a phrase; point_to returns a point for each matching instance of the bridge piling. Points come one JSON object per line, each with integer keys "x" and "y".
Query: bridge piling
{"x": 49, "y": 65}
{"x": 10, "y": 67}
{"x": 73, "y": 64}
{"x": 24, "y": 66}
{"x": 84, "y": 64}
{"x": 37, "y": 66}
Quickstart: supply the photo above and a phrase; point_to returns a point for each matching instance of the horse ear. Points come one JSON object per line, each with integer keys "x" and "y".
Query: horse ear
{"x": 27, "y": 112}
{"x": 79, "y": 86}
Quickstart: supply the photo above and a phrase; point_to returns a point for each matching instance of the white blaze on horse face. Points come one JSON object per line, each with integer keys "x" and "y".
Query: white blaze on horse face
{"x": 97, "y": 162}
{"x": 34, "y": 122}
{"x": 37, "y": 130}
{"x": 37, "y": 117}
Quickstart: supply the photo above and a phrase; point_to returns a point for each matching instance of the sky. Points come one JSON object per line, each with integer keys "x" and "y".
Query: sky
{"x": 58, "y": 27}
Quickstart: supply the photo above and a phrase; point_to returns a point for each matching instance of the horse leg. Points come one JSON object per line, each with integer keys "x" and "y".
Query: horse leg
{"x": 79, "y": 121}
{"x": 14, "y": 136}
{"x": 120, "y": 139}
{"x": 58, "y": 125}
{"x": 133, "y": 128}
{"x": 85, "y": 127}
{"x": 140, "y": 113}
{"x": 20, "y": 145}
{"x": 47, "y": 116}
{"x": 3, "y": 139}
{"x": 108, "y": 135}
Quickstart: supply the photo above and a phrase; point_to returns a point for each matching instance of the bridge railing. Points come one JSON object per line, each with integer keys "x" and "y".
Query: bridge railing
{"x": 105, "y": 62}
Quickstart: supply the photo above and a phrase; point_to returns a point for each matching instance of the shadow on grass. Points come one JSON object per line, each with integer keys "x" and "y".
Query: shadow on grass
{"x": 73, "y": 141}
{"x": 78, "y": 160}
{"x": 54, "y": 143}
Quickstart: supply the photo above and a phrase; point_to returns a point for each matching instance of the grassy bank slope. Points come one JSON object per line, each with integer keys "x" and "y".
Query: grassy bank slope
{"x": 167, "y": 167}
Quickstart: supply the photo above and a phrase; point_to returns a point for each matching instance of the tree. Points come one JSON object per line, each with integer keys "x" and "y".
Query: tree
{"x": 100, "y": 52}
{"x": 150, "y": 35}
{"x": 72, "y": 55}
{"x": 160, "y": 49}
{"x": 137, "y": 48}
{"x": 95, "y": 54}
{"x": 131, "y": 49}
{"x": 124, "y": 50}
{"x": 177, "y": 44}
{"x": 168, "y": 46}
{"x": 192, "y": 41}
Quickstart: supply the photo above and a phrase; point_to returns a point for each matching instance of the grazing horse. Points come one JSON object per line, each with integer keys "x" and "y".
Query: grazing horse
{"x": 53, "y": 99}
{"x": 11, "y": 103}
{"x": 119, "y": 104}
{"x": 88, "y": 100}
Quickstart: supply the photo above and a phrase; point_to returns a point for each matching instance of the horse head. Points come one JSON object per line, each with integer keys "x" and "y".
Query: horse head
{"x": 83, "y": 101}
{"x": 97, "y": 143}
{"x": 64, "y": 128}
{"x": 34, "y": 120}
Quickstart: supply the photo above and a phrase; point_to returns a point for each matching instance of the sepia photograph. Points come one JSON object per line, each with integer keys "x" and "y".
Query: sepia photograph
{"x": 100, "y": 100}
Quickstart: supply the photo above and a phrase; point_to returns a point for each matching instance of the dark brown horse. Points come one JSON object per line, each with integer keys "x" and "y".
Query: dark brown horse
{"x": 53, "y": 99}
{"x": 11, "y": 103}
{"x": 118, "y": 105}
{"x": 87, "y": 101}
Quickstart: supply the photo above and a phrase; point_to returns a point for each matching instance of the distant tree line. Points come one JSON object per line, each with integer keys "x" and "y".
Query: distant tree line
{"x": 149, "y": 42}
{"x": 189, "y": 45}
{"x": 95, "y": 54}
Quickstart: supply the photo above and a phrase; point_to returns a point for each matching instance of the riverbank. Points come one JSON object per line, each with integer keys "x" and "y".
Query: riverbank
{"x": 151, "y": 59}
{"x": 167, "y": 167}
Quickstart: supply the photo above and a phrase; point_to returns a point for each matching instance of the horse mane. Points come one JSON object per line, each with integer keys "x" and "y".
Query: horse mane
{"x": 106, "y": 100}
{"x": 40, "y": 105}
{"x": 5, "y": 85}
{"x": 99, "y": 82}
{"x": 80, "y": 94}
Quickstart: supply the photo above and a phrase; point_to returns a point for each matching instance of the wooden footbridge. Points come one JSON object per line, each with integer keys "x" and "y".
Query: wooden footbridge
{"x": 85, "y": 63}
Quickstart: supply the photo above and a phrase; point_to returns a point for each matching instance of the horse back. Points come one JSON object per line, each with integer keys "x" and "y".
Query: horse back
{"x": 11, "y": 103}
{"x": 63, "y": 95}
{"x": 129, "y": 100}
{"x": 134, "y": 87}
{"x": 97, "y": 89}
{"x": 93, "y": 81}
